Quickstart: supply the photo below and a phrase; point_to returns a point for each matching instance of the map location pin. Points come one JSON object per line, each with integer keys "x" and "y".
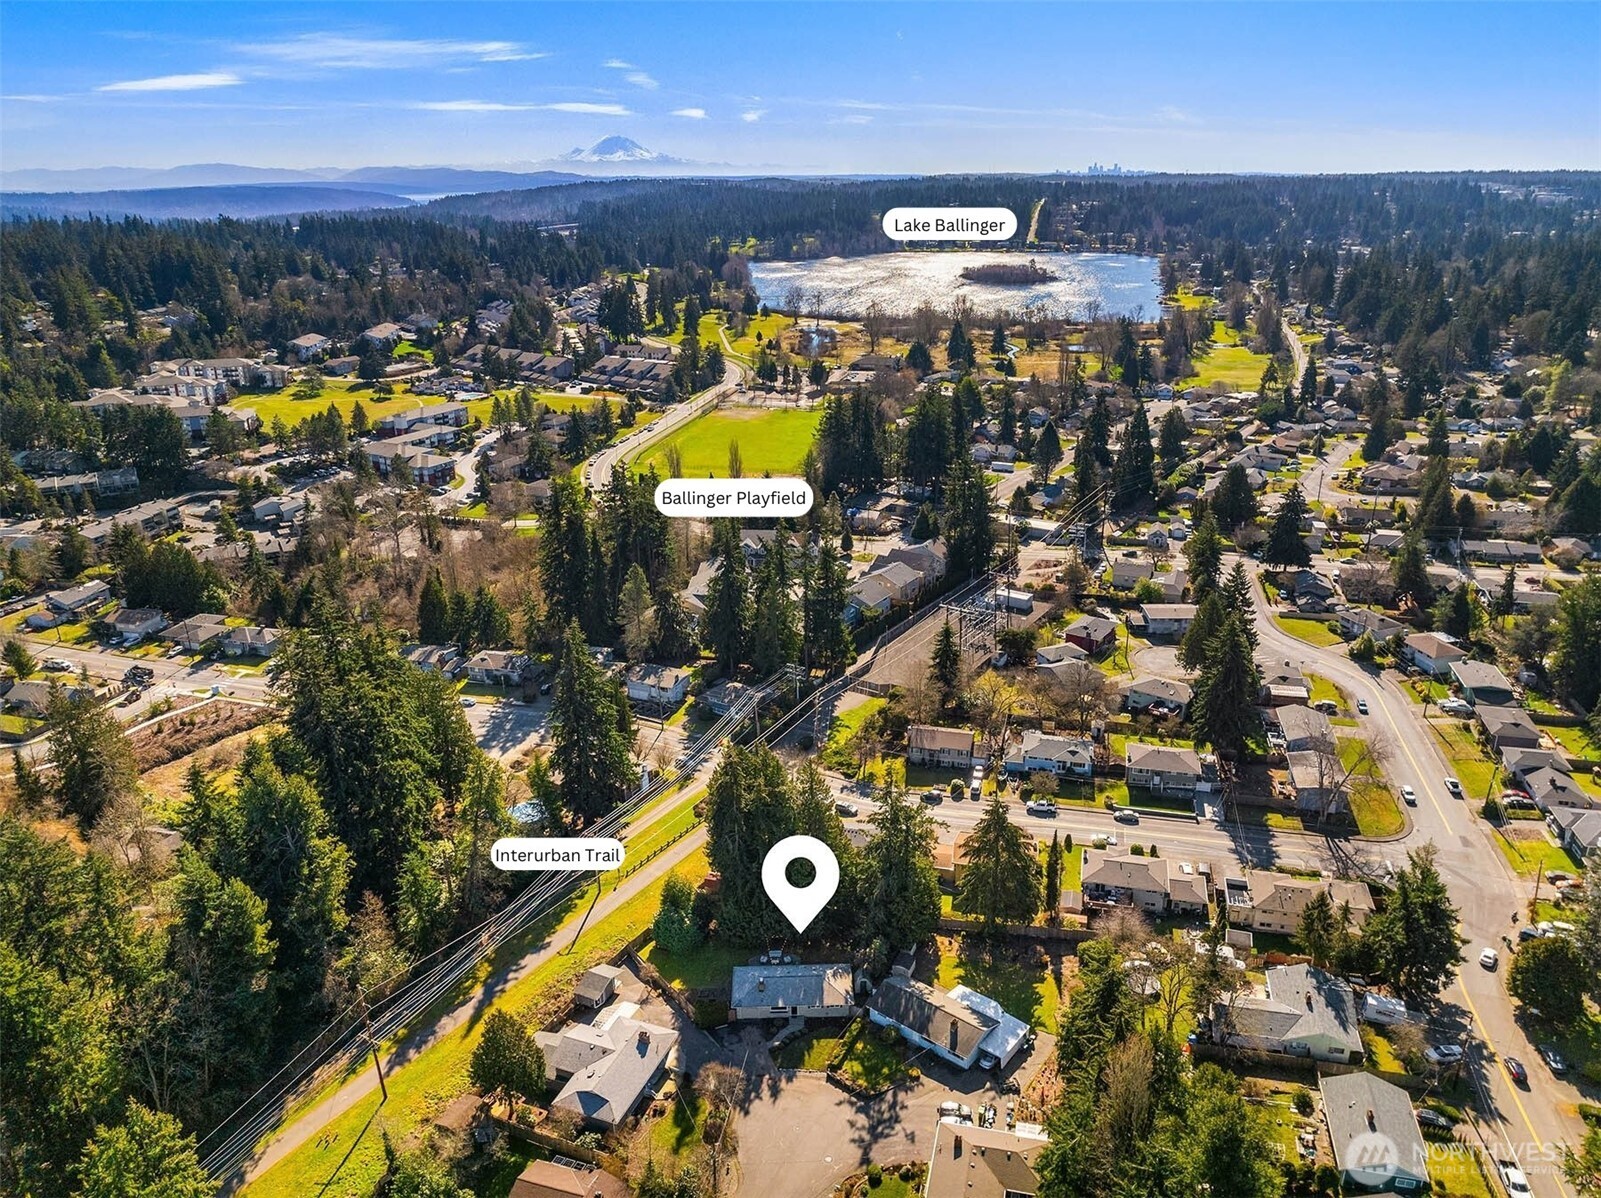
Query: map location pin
{"x": 800, "y": 904}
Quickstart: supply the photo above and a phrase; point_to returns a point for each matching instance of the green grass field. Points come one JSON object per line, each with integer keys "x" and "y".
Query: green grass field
{"x": 1531, "y": 857}
{"x": 1312, "y": 631}
{"x": 771, "y": 441}
{"x": 1228, "y": 362}
{"x": 1474, "y": 770}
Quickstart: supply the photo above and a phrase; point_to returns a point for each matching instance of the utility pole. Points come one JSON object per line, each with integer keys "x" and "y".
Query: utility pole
{"x": 378, "y": 1066}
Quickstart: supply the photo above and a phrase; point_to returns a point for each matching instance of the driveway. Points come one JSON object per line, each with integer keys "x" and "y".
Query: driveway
{"x": 800, "y": 1136}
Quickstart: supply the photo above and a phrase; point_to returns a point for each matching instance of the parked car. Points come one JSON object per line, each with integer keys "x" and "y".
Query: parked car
{"x": 1040, "y": 807}
{"x": 1429, "y": 1117}
{"x": 1454, "y": 788}
{"x": 1326, "y": 706}
{"x": 1529, "y": 932}
{"x": 848, "y": 810}
{"x": 1516, "y": 1071}
{"x": 1409, "y": 796}
{"x": 933, "y": 795}
{"x": 1456, "y": 707}
{"x": 1489, "y": 958}
{"x": 1125, "y": 816}
{"x": 1443, "y": 1054}
{"x": 956, "y": 1110}
{"x": 1553, "y": 1060}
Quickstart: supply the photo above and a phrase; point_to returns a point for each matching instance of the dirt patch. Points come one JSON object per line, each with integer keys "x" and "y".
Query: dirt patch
{"x": 221, "y": 757}
{"x": 184, "y": 732}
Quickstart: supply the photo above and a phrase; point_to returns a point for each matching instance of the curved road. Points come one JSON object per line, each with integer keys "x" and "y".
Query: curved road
{"x": 1525, "y": 1123}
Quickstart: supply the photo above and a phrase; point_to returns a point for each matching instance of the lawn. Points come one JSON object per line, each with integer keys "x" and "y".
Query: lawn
{"x": 1026, "y": 979}
{"x": 813, "y": 1049}
{"x": 836, "y": 752}
{"x": 1474, "y": 770}
{"x": 344, "y": 394}
{"x": 709, "y": 965}
{"x": 1577, "y": 742}
{"x": 348, "y": 1160}
{"x": 1313, "y": 631}
{"x": 1373, "y": 807}
{"x": 1455, "y": 1170}
{"x": 1227, "y": 362}
{"x": 771, "y": 441}
{"x": 1531, "y": 857}
{"x": 674, "y": 1137}
{"x": 1322, "y": 688}
{"x": 876, "y": 1056}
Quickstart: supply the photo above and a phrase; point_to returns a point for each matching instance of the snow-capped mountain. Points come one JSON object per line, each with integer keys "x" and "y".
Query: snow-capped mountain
{"x": 616, "y": 148}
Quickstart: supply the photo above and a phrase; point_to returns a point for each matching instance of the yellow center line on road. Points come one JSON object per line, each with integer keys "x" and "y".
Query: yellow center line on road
{"x": 1461, "y": 986}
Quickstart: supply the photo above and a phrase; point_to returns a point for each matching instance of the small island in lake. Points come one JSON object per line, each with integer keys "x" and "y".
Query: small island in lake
{"x": 1015, "y": 273}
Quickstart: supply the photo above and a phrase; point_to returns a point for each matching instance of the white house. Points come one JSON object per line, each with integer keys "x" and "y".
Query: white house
{"x": 663, "y": 686}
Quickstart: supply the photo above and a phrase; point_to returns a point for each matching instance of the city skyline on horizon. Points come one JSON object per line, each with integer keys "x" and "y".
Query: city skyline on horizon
{"x": 888, "y": 90}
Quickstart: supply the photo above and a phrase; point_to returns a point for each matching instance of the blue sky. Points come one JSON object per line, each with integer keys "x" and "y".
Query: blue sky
{"x": 847, "y": 87}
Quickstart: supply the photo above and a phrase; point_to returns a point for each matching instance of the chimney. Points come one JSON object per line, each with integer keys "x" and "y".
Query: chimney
{"x": 761, "y": 985}
{"x": 644, "y": 1037}
{"x": 1308, "y": 1000}
{"x": 1372, "y": 1126}
{"x": 957, "y": 1147}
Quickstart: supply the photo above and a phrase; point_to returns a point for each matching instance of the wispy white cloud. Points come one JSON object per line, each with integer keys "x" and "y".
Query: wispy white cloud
{"x": 751, "y": 115}
{"x": 501, "y": 106}
{"x": 856, "y": 118}
{"x": 640, "y": 79}
{"x": 30, "y": 99}
{"x": 174, "y": 83}
{"x": 617, "y": 64}
{"x": 350, "y": 52}
{"x": 1176, "y": 115}
{"x": 694, "y": 114}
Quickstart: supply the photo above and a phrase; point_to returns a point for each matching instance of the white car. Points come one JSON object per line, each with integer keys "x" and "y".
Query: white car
{"x": 465, "y": 701}
{"x": 1040, "y": 807}
{"x": 1512, "y": 1177}
{"x": 1454, "y": 788}
{"x": 1443, "y": 1054}
{"x": 956, "y": 1110}
{"x": 1409, "y": 796}
{"x": 1489, "y": 958}
{"x": 848, "y": 810}
{"x": 57, "y": 665}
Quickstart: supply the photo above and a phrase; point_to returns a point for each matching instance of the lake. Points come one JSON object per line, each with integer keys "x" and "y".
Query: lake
{"x": 1124, "y": 284}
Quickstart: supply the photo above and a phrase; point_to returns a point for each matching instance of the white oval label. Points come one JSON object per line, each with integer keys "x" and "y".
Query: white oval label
{"x": 702, "y": 497}
{"x": 556, "y": 853}
{"x": 949, "y": 224}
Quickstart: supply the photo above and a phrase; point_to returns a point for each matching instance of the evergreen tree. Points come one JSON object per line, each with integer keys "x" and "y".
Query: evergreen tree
{"x": 506, "y": 1060}
{"x": 945, "y": 666}
{"x": 1196, "y": 647}
{"x": 1239, "y": 596}
{"x": 1234, "y": 503}
{"x": 147, "y": 1155}
{"x": 1053, "y": 876}
{"x": 825, "y": 589}
{"x": 969, "y": 535}
{"x": 726, "y": 627}
{"x": 1001, "y": 883}
{"x": 675, "y": 638}
{"x": 1203, "y": 553}
{"x": 775, "y": 636}
{"x": 1317, "y": 929}
{"x": 591, "y": 748}
{"x": 1133, "y": 477}
{"x": 1174, "y": 433}
{"x": 1410, "y": 572}
{"x": 1225, "y": 694}
{"x": 634, "y": 615}
{"x": 433, "y": 612}
{"x": 903, "y": 901}
{"x": 1047, "y": 452}
{"x": 1286, "y": 545}
{"x": 91, "y": 758}
{"x": 1413, "y": 941}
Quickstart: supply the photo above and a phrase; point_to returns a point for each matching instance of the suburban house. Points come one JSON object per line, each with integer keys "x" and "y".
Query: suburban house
{"x": 251, "y": 640}
{"x": 32, "y": 697}
{"x": 663, "y": 686}
{"x": 282, "y": 508}
{"x": 1317, "y": 782}
{"x": 1050, "y": 655}
{"x": 446, "y": 659}
{"x": 1155, "y": 884}
{"x": 195, "y": 633}
{"x": 1303, "y": 1011}
{"x": 1129, "y": 572}
{"x": 1069, "y": 756}
{"x": 969, "y": 1161}
{"x": 566, "y": 1178}
{"x": 1302, "y": 728}
{"x": 1432, "y": 653}
{"x": 132, "y": 624}
{"x": 75, "y": 600}
{"x": 1508, "y": 727}
{"x": 1173, "y": 584}
{"x": 608, "y": 1066}
{"x": 1552, "y": 789}
{"x": 941, "y": 748}
{"x": 720, "y": 698}
{"x": 1167, "y": 619}
{"x": 384, "y": 335}
{"x": 1578, "y": 831}
{"x": 1267, "y": 901}
{"x": 1091, "y": 634}
{"x": 951, "y": 856}
{"x": 1481, "y": 682}
{"x": 1142, "y": 692}
{"x": 1354, "y": 621}
{"x": 498, "y": 667}
{"x": 1164, "y": 769}
{"x": 791, "y": 992}
{"x": 869, "y": 596}
{"x": 960, "y": 1025}
{"x": 1520, "y": 763}
{"x": 1374, "y": 1134}
{"x": 1283, "y": 683}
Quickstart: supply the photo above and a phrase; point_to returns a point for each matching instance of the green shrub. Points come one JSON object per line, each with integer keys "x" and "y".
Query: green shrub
{"x": 875, "y": 1175}
{"x": 1302, "y": 1102}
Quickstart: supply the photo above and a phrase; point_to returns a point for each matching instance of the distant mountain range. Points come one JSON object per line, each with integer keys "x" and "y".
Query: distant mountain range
{"x": 200, "y": 203}
{"x": 616, "y": 149}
